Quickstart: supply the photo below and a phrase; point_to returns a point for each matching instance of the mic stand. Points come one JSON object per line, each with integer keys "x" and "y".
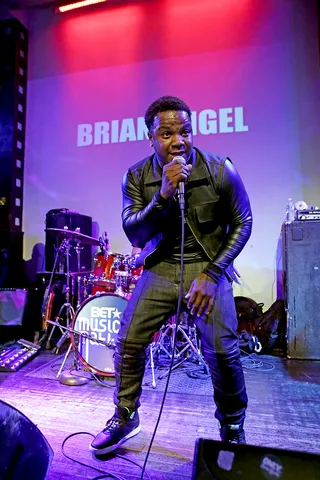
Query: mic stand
{"x": 181, "y": 202}
{"x": 68, "y": 378}
{"x": 191, "y": 339}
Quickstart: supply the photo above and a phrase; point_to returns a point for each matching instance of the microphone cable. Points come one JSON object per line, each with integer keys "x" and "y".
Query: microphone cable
{"x": 176, "y": 323}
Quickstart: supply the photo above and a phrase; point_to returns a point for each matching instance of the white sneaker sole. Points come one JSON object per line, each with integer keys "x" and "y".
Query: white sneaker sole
{"x": 103, "y": 451}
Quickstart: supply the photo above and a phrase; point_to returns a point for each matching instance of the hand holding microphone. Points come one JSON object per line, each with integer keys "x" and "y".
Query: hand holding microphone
{"x": 174, "y": 175}
{"x": 181, "y": 190}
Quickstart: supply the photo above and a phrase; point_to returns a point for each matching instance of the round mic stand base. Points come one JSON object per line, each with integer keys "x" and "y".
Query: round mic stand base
{"x": 68, "y": 378}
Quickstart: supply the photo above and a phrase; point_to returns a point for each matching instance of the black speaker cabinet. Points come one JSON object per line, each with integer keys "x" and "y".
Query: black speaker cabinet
{"x": 61, "y": 218}
{"x": 13, "y": 100}
{"x": 11, "y": 259}
{"x": 231, "y": 461}
{"x": 301, "y": 268}
{"x": 25, "y": 453}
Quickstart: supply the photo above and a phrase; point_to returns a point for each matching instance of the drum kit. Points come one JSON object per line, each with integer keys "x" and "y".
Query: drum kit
{"x": 93, "y": 324}
{"x": 95, "y": 320}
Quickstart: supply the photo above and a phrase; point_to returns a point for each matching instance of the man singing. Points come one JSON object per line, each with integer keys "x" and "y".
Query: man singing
{"x": 218, "y": 223}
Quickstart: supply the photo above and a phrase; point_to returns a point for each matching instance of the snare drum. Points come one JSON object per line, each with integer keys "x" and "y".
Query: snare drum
{"x": 98, "y": 316}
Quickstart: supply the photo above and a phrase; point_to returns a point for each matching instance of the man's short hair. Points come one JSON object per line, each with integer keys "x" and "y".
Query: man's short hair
{"x": 163, "y": 104}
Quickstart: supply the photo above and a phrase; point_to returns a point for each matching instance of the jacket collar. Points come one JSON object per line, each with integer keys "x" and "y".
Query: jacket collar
{"x": 153, "y": 175}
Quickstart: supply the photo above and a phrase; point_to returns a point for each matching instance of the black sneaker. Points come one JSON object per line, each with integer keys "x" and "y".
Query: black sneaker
{"x": 232, "y": 433}
{"x": 122, "y": 426}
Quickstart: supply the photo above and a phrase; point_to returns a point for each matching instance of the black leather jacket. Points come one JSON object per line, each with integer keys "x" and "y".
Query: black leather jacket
{"x": 217, "y": 210}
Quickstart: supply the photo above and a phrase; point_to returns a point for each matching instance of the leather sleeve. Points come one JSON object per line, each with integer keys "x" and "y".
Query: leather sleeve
{"x": 141, "y": 221}
{"x": 238, "y": 213}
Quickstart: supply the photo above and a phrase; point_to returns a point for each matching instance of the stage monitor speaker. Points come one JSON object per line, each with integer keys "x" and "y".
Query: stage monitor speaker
{"x": 25, "y": 453}
{"x": 301, "y": 268}
{"x": 215, "y": 460}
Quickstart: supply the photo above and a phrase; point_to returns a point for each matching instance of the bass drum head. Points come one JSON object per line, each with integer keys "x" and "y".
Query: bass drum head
{"x": 98, "y": 316}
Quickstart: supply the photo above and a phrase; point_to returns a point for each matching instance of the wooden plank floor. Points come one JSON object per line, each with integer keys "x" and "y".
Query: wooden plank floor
{"x": 284, "y": 412}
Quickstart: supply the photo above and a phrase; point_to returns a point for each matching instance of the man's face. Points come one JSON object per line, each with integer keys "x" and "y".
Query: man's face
{"x": 171, "y": 136}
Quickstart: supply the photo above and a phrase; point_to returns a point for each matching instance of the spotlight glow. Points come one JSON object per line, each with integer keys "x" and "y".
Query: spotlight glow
{"x": 83, "y": 3}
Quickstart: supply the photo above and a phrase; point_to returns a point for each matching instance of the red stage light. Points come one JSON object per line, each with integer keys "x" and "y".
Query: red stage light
{"x": 71, "y": 6}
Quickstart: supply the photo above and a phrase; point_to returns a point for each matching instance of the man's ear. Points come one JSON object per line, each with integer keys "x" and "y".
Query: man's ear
{"x": 150, "y": 139}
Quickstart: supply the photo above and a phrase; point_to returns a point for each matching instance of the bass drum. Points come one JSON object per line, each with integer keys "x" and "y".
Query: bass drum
{"x": 98, "y": 316}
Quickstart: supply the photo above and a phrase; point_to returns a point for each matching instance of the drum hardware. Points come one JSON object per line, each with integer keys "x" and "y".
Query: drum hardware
{"x": 85, "y": 288}
{"x": 164, "y": 342}
{"x": 68, "y": 235}
{"x": 65, "y": 248}
{"x": 69, "y": 379}
{"x": 82, "y": 334}
{"x": 114, "y": 272}
{"x": 47, "y": 303}
{"x": 122, "y": 276}
{"x": 78, "y": 251}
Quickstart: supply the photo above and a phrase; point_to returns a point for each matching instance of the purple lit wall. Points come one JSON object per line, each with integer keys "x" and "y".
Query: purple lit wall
{"x": 249, "y": 71}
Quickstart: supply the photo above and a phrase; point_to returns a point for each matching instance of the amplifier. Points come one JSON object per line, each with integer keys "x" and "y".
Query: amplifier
{"x": 301, "y": 275}
{"x": 14, "y": 356}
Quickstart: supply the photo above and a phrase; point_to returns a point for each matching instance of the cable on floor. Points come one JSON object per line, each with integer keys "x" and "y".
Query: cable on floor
{"x": 252, "y": 362}
{"x": 104, "y": 474}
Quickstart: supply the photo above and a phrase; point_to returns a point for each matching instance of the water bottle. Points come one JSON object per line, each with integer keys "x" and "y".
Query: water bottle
{"x": 290, "y": 211}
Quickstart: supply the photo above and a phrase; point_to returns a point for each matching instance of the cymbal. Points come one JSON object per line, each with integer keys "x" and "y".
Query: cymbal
{"x": 73, "y": 235}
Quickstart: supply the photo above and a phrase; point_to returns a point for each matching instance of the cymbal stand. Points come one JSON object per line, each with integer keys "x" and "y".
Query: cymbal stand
{"x": 65, "y": 247}
{"x": 44, "y": 310}
{"x": 78, "y": 251}
{"x": 191, "y": 344}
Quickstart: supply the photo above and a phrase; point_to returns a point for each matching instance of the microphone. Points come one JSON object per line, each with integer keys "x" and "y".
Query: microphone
{"x": 181, "y": 187}
{"x": 181, "y": 194}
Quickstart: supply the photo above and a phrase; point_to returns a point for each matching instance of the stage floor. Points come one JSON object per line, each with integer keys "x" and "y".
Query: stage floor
{"x": 284, "y": 412}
